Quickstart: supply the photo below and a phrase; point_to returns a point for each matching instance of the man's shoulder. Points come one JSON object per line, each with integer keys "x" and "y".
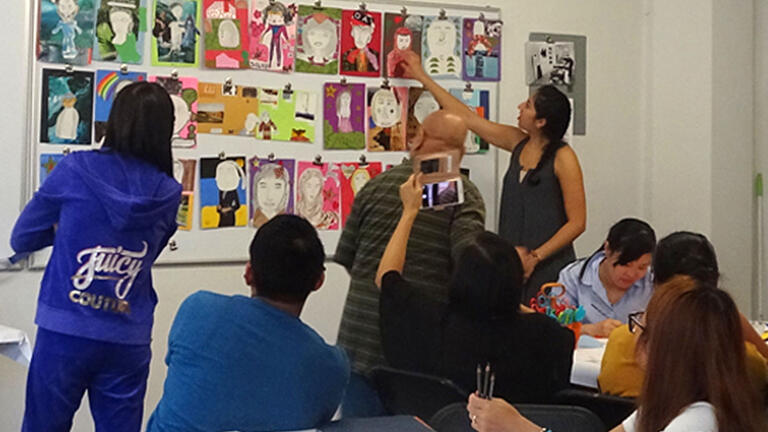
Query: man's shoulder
{"x": 204, "y": 300}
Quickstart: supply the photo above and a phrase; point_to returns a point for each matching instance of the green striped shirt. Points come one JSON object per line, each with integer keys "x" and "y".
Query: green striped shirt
{"x": 436, "y": 240}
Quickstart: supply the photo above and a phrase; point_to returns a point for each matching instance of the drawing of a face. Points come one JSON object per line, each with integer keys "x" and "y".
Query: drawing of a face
{"x": 362, "y": 35}
{"x": 270, "y": 190}
{"x": 69, "y": 100}
{"x": 122, "y": 23}
{"x": 265, "y": 117}
{"x": 344, "y": 102}
{"x": 478, "y": 29}
{"x": 67, "y": 10}
{"x": 181, "y": 112}
{"x": 385, "y": 110}
{"x": 229, "y": 37}
{"x": 251, "y": 121}
{"x": 177, "y": 10}
{"x": 424, "y": 106}
{"x": 228, "y": 175}
{"x": 441, "y": 37}
{"x": 403, "y": 42}
{"x": 320, "y": 39}
{"x": 359, "y": 178}
{"x": 275, "y": 18}
{"x": 312, "y": 187}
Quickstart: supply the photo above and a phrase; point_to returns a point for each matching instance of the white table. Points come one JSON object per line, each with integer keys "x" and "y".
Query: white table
{"x": 15, "y": 345}
{"x": 586, "y": 361}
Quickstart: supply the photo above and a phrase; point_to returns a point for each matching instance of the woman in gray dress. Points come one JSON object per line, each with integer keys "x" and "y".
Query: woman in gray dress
{"x": 543, "y": 208}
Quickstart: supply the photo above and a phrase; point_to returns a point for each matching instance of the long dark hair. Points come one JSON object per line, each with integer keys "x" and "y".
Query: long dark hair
{"x": 685, "y": 253}
{"x": 488, "y": 279}
{"x": 553, "y": 106}
{"x": 631, "y": 238}
{"x": 695, "y": 352}
{"x": 141, "y": 125}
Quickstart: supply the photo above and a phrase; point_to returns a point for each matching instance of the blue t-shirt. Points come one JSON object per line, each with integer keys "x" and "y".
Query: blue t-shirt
{"x": 238, "y": 364}
{"x": 590, "y": 293}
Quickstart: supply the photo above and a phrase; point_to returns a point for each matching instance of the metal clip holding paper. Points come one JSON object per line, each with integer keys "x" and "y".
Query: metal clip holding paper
{"x": 271, "y": 157}
{"x": 363, "y": 160}
{"x": 318, "y": 160}
{"x": 222, "y": 156}
{"x": 442, "y": 15}
{"x": 226, "y": 89}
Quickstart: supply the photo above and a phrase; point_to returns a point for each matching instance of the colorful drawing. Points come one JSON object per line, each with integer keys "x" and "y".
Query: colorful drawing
{"x": 225, "y": 23}
{"x": 286, "y": 115}
{"x": 361, "y": 43}
{"x": 227, "y": 109}
{"x": 120, "y": 27}
{"x": 353, "y": 177}
{"x": 344, "y": 116}
{"x": 317, "y": 42}
{"x": 271, "y": 183}
{"x": 387, "y": 111}
{"x": 184, "y": 171}
{"x": 421, "y": 103}
{"x": 67, "y": 107}
{"x": 48, "y": 162}
{"x": 478, "y": 100}
{"x": 272, "y": 35}
{"x": 441, "y": 46}
{"x": 66, "y": 31}
{"x": 222, "y": 192}
{"x": 175, "y": 33}
{"x": 317, "y": 195}
{"x": 183, "y": 92}
{"x": 482, "y": 49}
{"x": 108, "y": 85}
{"x": 402, "y": 34}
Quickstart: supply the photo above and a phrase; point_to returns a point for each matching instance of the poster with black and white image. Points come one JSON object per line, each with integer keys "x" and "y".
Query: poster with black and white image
{"x": 549, "y": 63}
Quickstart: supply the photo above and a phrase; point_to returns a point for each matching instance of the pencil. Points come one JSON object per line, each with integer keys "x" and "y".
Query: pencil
{"x": 479, "y": 380}
{"x": 487, "y": 377}
{"x": 490, "y": 390}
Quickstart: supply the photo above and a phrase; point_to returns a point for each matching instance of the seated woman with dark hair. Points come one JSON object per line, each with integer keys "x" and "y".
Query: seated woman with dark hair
{"x": 680, "y": 253}
{"x": 531, "y": 354}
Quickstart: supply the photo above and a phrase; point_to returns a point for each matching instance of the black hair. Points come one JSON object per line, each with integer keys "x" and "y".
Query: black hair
{"x": 286, "y": 259}
{"x": 488, "y": 279}
{"x": 685, "y": 253}
{"x": 141, "y": 124}
{"x": 553, "y": 106}
{"x": 631, "y": 238}
{"x": 278, "y": 8}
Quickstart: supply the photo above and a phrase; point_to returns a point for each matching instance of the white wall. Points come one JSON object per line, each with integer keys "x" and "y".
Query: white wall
{"x": 761, "y": 110}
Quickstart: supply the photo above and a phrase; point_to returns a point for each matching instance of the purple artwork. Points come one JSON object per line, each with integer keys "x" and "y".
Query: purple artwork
{"x": 481, "y": 49}
{"x": 344, "y": 116}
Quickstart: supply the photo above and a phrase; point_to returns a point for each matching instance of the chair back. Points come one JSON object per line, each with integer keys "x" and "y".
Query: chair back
{"x": 413, "y": 393}
{"x": 612, "y": 410}
{"x": 454, "y": 418}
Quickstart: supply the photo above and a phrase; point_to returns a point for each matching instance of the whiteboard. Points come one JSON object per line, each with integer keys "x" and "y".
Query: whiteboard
{"x": 231, "y": 244}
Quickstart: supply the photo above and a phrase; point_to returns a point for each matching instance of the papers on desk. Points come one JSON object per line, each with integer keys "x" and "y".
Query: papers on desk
{"x": 586, "y": 361}
{"x": 15, "y": 345}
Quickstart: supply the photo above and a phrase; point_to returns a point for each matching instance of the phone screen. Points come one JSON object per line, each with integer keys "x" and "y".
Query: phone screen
{"x": 441, "y": 194}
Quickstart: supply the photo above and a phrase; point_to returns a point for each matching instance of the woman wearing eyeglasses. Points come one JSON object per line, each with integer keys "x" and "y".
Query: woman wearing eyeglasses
{"x": 680, "y": 253}
{"x": 690, "y": 385}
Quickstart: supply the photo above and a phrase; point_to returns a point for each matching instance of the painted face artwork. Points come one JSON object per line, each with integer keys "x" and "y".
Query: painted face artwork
{"x": 273, "y": 36}
{"x": 225, "y": 26}
{"x": 184, "y": 173}
{"x": 421, "y": 103}
{"x": 361, "y": 43}
{"x": 387, "y": 110}
{"x": 184, "y": 96}
{"x": 66, "y": 31}
{"x": 317, "y": 48}
{"x": 271, "y": 183}
{"x": 479, "y": 101}
{"x": 318, "y": 195}
{"x": 222, "y": 192}
{"x": 67, "y": 107}
{"x": 354, "y": 176}
{"x": 440, "y": 55}
{"x": 109, "y": 83}
{"x": 481, "y": 49}
{"x": 402, "y": 35}
{"x": 344, "y": 119}
{"x": 175, "y": 33}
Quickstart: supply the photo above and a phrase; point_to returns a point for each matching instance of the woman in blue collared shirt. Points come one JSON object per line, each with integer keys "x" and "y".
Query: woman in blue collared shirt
{"x": 615, "y": 280}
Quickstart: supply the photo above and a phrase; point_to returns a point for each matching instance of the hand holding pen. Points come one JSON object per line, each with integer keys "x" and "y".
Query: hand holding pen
{"x": 485, "y": 381}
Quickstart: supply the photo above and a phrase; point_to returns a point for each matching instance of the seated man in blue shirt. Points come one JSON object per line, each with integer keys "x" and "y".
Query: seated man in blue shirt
{"x": 248, "y": 363}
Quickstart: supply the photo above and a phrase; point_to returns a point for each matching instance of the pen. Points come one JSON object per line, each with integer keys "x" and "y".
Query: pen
{"x": 490, "y": 390}
{"x": 487, "y": 377}
{"x": 479, "y": 380}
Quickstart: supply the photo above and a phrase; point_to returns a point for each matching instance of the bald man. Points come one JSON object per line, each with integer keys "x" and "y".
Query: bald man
{"x": 436, "y": 240}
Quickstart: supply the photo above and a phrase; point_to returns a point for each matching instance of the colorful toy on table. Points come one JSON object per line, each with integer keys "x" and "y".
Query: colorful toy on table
{"x": 552, "y": 303}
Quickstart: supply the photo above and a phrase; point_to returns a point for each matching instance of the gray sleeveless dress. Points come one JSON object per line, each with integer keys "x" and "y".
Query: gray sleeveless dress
{"x": 531, "y": 214}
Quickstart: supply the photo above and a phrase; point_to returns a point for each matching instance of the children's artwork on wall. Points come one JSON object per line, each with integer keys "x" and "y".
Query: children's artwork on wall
{"x": 66, "y": 31}
{"x": 48, "y": 162}
{"x": 227, "y": 109}
{"x": 441, "y": 46}
{"x": 184, "y": 171}
{"x": 344, "y": 116}
{"x": 479, "y": 101}
{"x": 549, "y": 63}
{"x": 286, "y": 115}
{"x": 353, "y": 177}
{"x": 482, "y": 49}
{"x": 120, "y": 28}
{"x": 271, "y": 183}
{"x": 317, "y": 41}
{"x": 402, "y": 34}
{"x": 361, "y": 43}
{"x": 176, "y": 33}
{"x": 183, "y": 92}
{"x": 108, "y": 85}
{"x": 421, "y": 103}
{"x": 225, "y": 25}
{"x": 387, "y": 111}
{"x": 222, "y": 192}
{"x": 67, "y": 107}
{"x": 272, "y": 35}
{"x": 317, "y": 194}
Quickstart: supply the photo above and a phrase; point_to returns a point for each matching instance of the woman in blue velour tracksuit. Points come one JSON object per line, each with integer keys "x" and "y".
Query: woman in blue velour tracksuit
{"x": 108, "y": 213}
